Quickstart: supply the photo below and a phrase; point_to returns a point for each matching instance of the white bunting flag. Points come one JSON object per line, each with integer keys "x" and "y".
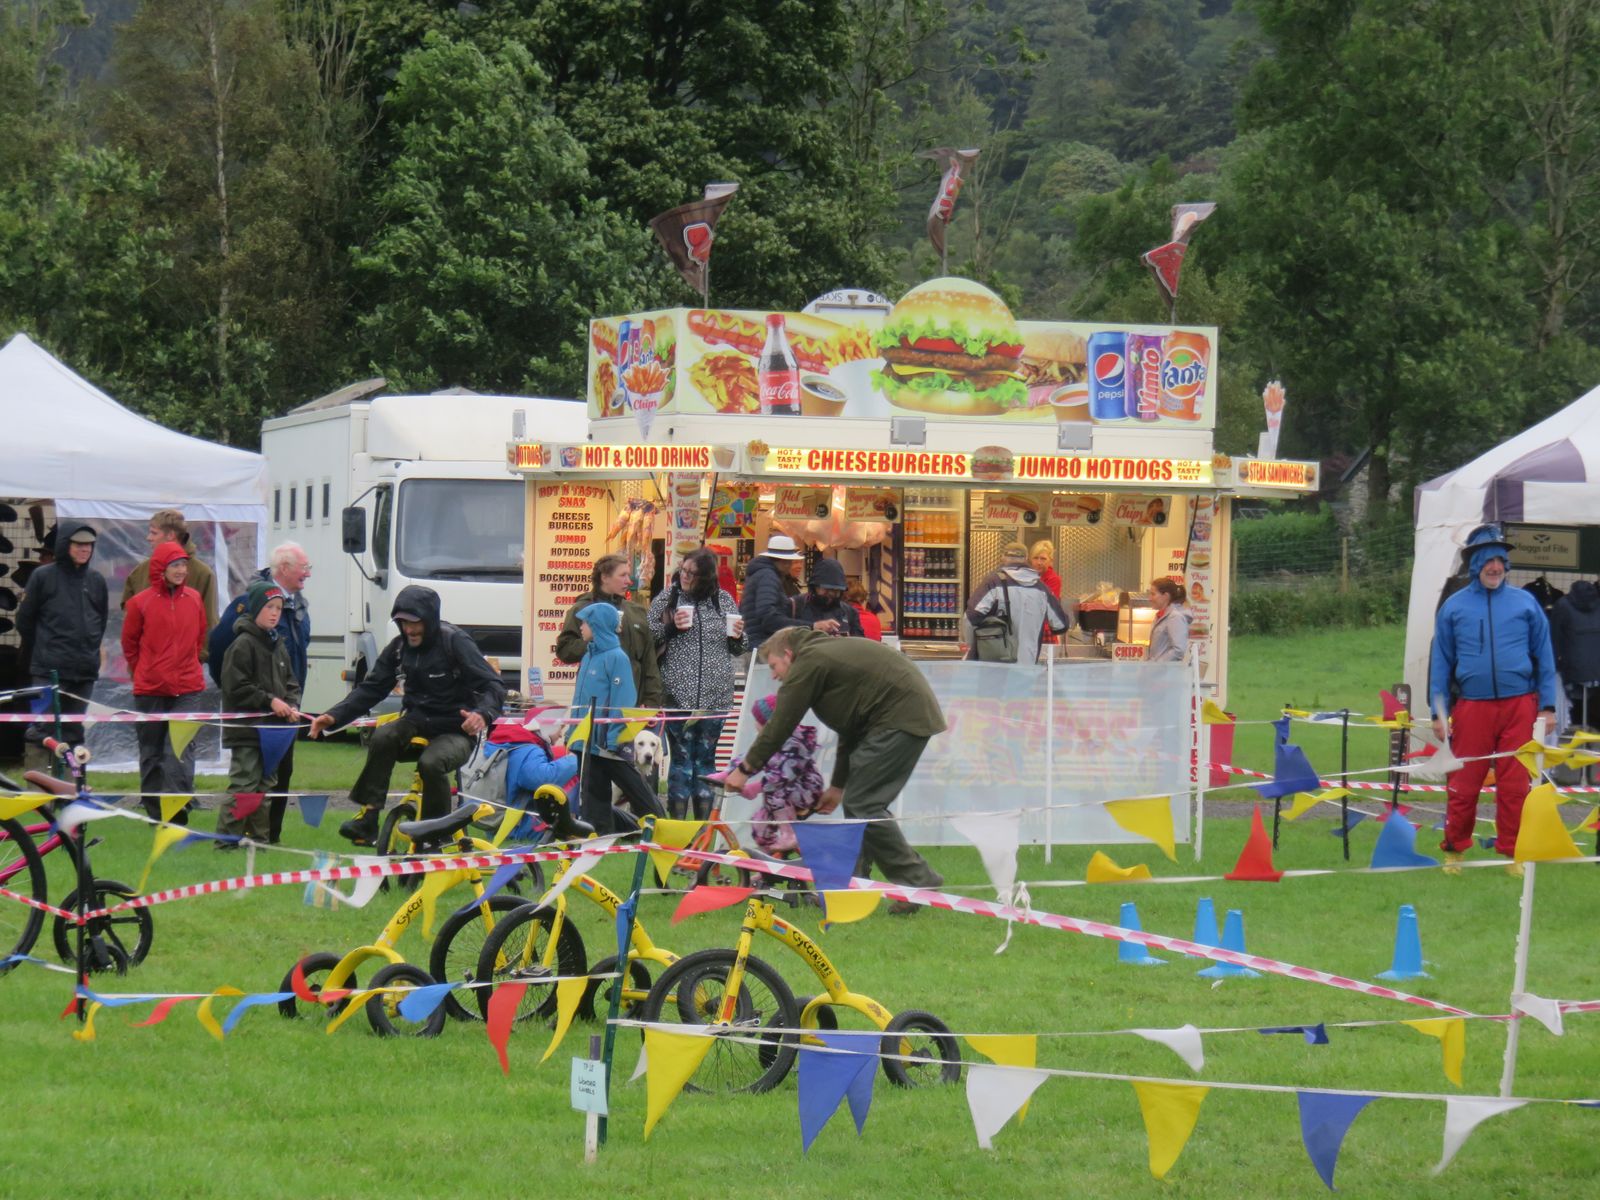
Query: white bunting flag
{"x": 78, "y": 812}
{"x": 994, "y": 1094}
{"x": 996, "y": 835}
{"x": 1546, "y": 1012}
{"x": 644, "y": 1065}
{"x": 1464, "y": 1114}
{"x": 1183, "y": 1041}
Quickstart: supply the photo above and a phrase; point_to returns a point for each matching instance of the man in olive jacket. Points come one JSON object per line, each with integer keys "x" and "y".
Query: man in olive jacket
{"x": 613, "y": 577}
{"x": 884, "y": 712}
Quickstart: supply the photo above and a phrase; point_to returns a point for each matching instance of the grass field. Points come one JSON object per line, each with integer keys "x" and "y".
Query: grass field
{"x": 279, "y": 1108}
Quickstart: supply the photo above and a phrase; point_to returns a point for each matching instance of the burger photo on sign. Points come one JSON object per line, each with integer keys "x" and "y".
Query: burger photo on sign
{"x": 951, "y": 346}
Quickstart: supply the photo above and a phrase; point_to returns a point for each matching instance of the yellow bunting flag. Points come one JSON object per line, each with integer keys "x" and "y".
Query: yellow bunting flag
{"x": 352, "y": 1005}
{"x": 840, "y": 908}
{"x": 14, "y": 806}
{"x": 171, "y": 806}
{"x": 385, "y": 718}
{"x": 1452, "y": 1035}
{"x": 580, "y": 733}
{"x": 569, "y": 994}
{"x": 674, "y": 1058}
{"x": 1401, "y": 720}
{"x": 508, "y": 822}
{"x": 1543, "y": 836}
{"x": 1170, "y": 1112}
{"x": 1582, "y": 737}
{"x": 1586, "y": 823}
{"x": 1008, "y": 1050}
{"x": 181, "y": 733}
{"x": 434, "y": 886}
{"x": 676, "y": 834}
{"x": 638, "y": 720}
{"x": 1103, "y": 870}
{"x": 203, "y": 1014}
{"x": 86, "y": 1034}
{"x": 1212, "y": 713}
{"x": 1300, "y": 713}
{"x": 1150, "y": 817}
{"x": 166, "y": 838}
{"x": 1304, "y": 802}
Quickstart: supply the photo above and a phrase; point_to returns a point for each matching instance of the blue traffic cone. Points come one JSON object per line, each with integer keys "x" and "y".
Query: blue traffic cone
{"x": 1407, "y": 948}
{"x": 1133, "y": 953}
{"x": 1205, "y": 923}
{"x": 1232, "y": 939}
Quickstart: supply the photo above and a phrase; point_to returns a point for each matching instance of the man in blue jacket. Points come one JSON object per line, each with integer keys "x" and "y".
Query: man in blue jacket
{"x": 1492, "y": 672}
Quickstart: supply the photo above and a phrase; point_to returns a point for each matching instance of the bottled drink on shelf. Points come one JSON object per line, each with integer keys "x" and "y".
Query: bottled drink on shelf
{"x": 777, "y": 372}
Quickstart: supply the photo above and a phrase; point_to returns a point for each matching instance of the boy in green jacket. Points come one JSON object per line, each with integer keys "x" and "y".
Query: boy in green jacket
{"x": 256, "y": 676}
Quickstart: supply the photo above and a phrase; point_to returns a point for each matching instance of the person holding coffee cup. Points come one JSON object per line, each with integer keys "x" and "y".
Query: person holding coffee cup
{"x": 699, "y": 636}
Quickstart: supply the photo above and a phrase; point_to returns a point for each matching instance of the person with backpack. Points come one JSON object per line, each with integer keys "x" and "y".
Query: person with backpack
{"x": 1010, "y": 610}
{"x": 288, "y": 569}
{"x": 256, "y": 677}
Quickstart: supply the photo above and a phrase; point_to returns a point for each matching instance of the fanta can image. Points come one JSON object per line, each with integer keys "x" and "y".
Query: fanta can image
{"x": 1108, "y": 376}
{"x": 1144, "y": 376}
{"x": 1185, "y": 362}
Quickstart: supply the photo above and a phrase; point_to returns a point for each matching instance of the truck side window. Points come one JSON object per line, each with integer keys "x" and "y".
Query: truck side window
{"x": 383, "y": 508}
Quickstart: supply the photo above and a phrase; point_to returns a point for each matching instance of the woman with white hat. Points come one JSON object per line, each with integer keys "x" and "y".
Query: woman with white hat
{"x": 765, "y": 604}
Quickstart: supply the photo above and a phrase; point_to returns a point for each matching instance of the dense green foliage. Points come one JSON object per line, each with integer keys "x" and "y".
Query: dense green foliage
{"x": 220, "y": 208}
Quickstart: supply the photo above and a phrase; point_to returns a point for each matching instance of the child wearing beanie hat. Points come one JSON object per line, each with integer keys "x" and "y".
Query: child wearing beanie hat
{"x": 791, "y": 785}
{"x": 256, "y": 677}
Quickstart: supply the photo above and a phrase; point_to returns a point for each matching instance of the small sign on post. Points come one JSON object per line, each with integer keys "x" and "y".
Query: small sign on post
{"x": 589, "y": 1096}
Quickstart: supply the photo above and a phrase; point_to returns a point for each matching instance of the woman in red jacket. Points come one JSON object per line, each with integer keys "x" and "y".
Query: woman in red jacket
{"x": 856, "y": 597}
{"x": 1042, "y": 558}
{"x": 163, "y": 633}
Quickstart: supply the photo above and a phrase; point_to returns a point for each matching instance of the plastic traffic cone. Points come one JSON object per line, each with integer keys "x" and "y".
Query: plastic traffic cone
{"x": 1132, "y": 953}
{"x": 1407, "y": 948}
{"x": 1205, "y": 923}
{"x": 1232, "y": 939}
{"x": 1255, "y": 860}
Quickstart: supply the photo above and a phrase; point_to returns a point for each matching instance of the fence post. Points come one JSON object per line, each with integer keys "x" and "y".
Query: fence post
{"x": 1344, "y": 564}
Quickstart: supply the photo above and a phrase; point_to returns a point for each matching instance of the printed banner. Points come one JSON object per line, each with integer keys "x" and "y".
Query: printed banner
{"x": 569, "y": 533}
{"x": 1199, "y": 581}
{"x": 871, "y": 504}
{"x": 1076, "y": 508}
{"x": 801, "y": 503}
{"x": 1144, "y": 512}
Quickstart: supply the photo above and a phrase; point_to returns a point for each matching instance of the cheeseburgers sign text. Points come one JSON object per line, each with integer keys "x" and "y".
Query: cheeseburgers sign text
{"x": 934, "y": 464}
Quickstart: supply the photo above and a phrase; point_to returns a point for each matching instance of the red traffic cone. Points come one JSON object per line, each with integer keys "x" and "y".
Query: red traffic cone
{"x": 1255, "y": 860}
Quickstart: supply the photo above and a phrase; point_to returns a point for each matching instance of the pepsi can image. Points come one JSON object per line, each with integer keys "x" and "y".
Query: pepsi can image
{"x": 1108, "y": 376}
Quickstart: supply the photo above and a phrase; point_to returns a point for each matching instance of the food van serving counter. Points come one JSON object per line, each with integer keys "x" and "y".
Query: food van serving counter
{"x": 862, "y": 439}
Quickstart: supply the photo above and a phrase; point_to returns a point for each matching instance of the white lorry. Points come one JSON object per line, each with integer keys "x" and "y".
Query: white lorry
{"x": 385, "y": 491}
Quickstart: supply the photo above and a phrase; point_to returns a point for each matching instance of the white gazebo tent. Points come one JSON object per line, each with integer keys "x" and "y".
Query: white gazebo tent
{"x": 73, "y": 447}
{"x": 1549, "y": 474}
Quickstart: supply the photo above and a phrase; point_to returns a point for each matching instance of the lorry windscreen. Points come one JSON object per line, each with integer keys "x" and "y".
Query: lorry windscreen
{"x": 460, "y": 528}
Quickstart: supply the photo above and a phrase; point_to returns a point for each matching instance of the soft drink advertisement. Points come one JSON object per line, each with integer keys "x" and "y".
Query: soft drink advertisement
{"x": 950, "y": 350}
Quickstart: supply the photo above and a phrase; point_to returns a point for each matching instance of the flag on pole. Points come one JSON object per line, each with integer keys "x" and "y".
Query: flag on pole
{"x": 1166, "y": 261}
{"x": 954, "y": 162}
{"x": 687, "y": 232}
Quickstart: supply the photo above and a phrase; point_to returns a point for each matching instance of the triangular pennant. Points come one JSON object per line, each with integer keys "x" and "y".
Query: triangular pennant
{"x": 1437, "y": 766}
{"x": 1255, "y": 860}
{"x": 245, "y": 804}
{"x": 1170, "y": 1112}
{"x": 829, "y": 851}
{"x": 1103, "y": 869}
{"x": 420, "y": 1002}
{"x": 1149, "y": 817}
{"x": 1356, "y": 817}
{"x": 996, "y": 836}
{"x": 995, "y": 1094}
{"x": 43, "y": 700}
{"x": 640, "y": 1067}
{"x": 203, "y": 1014}
{"x": 162, "y": 1011}
{"x": 1006, "y": 1050}
{"x": 312, "y": 807}
{"x": 1211, "y": 713}
{"x": 166, "y": 836}
{"x": 247, "y": 1003}
{"x": 96, "y": 709}
{"x": 1586, "y": 823}
{"x": 1291, "y": 773}
{"x": 638, "y": 720}
{"x": 81, "y": 811}
{"x": 840, "y": 908}
{"x": 501, "y": 1013}
{"x": 1315, "y": 1035}
{"x": 275, "y": 743}
{"x": 384, "y": 718}
{"x": 12, "y": 807}
{"x": 1543, "y": 836}
{"x": 1546, "y": 1012}
{"x": 675, "y": 834}
{"x": 580, "y": 867}
{"x": 1391, "y": 704}
{"x": 181, "y": 733}
{"x": 1463, "y": 1114}
{"x": 502, "y": 876}
{"x": 579, "y": 737}
{"x": 1396, "y": 845}
{"x": 627, "y": 913}
{"x": 674, "y": 1058}
{"x": 569, "y": 995}
{"x": 1183, "y": 1041}
{"x": 171, "y": 806}
{"x": 1280, "y": 730}
{"x": 1325, "y": 1118}
{"x": 1306, "y": 801}
{"x": 708, "y": 898}
{"x": 86, "y": 1034}
{"x": 827, "y": 1075}
{"x": 1452, "y": 1035}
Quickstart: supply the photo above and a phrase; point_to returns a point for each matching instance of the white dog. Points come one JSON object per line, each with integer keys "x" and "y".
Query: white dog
{"x": 651, "y": 757}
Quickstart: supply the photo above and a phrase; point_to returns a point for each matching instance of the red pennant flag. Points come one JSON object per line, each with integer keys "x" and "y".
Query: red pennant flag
{"x": 1166, "y": 264}
{"x": 302, "y": 989}
{"x": 245, "y": 803}
{"x": 162, "y": 1011}
{"x": 1255, "y": 860}
{"x": 1402, "y": 809}
{"x": 502, "y": 1012}
{"x": 1391, "y": 705}
{"x": 708, "y": 898}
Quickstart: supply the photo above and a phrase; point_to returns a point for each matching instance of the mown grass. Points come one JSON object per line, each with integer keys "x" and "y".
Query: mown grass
{"x": 279, "y": 1108}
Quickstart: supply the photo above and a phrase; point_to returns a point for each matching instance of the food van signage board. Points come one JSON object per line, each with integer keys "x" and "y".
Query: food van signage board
{"x": 950, "y": 350}
{"x": 801, "y": 503}
{"x": 884, "y": 464}
{"x": 1276, "y": 473}
{"x": 1143, "y": 512}
{"x": 871, "y": 504}
{"x": 1105, "y": 468}
{"x": 1076, "y": 508}
{"x": 531, "y": 456}
{"x": 1003, "y": 513}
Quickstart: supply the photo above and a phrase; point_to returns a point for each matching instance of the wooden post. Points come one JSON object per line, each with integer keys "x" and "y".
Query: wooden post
{"x": 1344, "y": 564}
{"x": 591, "y": 1121}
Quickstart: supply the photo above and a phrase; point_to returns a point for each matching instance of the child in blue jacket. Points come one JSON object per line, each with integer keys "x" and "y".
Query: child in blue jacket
{"x": 605, "y": 680}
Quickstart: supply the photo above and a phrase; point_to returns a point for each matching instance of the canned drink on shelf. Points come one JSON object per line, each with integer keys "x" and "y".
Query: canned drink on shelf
{"x": 1108, "y": 376}
{"x": 1144, "y": 376}
{"x": 1185, "y": 363}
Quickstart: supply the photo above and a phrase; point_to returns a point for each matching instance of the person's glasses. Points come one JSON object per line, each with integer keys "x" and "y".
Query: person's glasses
{"x": 688, "y": 573}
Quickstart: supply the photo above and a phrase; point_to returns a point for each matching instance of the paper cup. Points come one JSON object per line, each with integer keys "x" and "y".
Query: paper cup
{"x": 1071, "y": 402}
{"x": 820, "y": 397}
{"x": 730, "y": 620}
{"x": 687, "y": 608}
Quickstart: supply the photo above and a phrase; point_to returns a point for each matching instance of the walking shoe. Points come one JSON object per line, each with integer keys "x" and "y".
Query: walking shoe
{"x": 1452, "y": 861}
{"x": 1514, "y": 869}
{"x": 904, "y": 908}
{"x": 362, "y": 829}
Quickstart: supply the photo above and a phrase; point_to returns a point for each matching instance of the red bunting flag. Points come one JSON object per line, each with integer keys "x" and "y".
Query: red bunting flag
{"x": 502, "y": 1012}
{"x": 708, "y": 898}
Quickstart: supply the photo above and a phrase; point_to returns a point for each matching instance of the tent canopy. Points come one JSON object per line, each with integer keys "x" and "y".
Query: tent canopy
{"x": 1547, "y": 474}
{"x": 72, "y": 443}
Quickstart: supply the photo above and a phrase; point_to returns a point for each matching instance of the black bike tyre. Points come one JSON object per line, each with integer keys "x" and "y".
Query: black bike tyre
{"x": 730, "y": 1065}
{"x": 105, "y": 892}
{"x": 30, "y": 881}
{"x": 321, "y": 962}
{"x": 716, "y": 874}
{"x": 383, "y": 1010}
{"x": 393, "y": 844}
{"x": 600, "y": 989}
{"x": 456, "y": 951}
{"x": 826, "y": 1017}
{"x": 946, "y": 1052}
{"x": 510, "y": 937}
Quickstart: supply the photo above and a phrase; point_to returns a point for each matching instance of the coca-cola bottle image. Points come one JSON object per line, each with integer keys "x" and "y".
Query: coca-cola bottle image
{"x": 777, "y": 372}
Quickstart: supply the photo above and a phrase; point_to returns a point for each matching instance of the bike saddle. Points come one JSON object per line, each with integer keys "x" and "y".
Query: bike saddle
{"x": 49, "y": 783}
{"x": 438, "y": 829}
{"x": 550, "y": 806}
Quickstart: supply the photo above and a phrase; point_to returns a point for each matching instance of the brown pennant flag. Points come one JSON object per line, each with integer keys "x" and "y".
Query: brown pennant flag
{"x": 955, "y": 162}
{"x": 687, "y": 232}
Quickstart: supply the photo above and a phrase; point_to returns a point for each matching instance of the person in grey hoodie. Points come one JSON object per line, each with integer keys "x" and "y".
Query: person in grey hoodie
{"x": 1015, "y": 591}
{"x": 1169, "y": 636}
